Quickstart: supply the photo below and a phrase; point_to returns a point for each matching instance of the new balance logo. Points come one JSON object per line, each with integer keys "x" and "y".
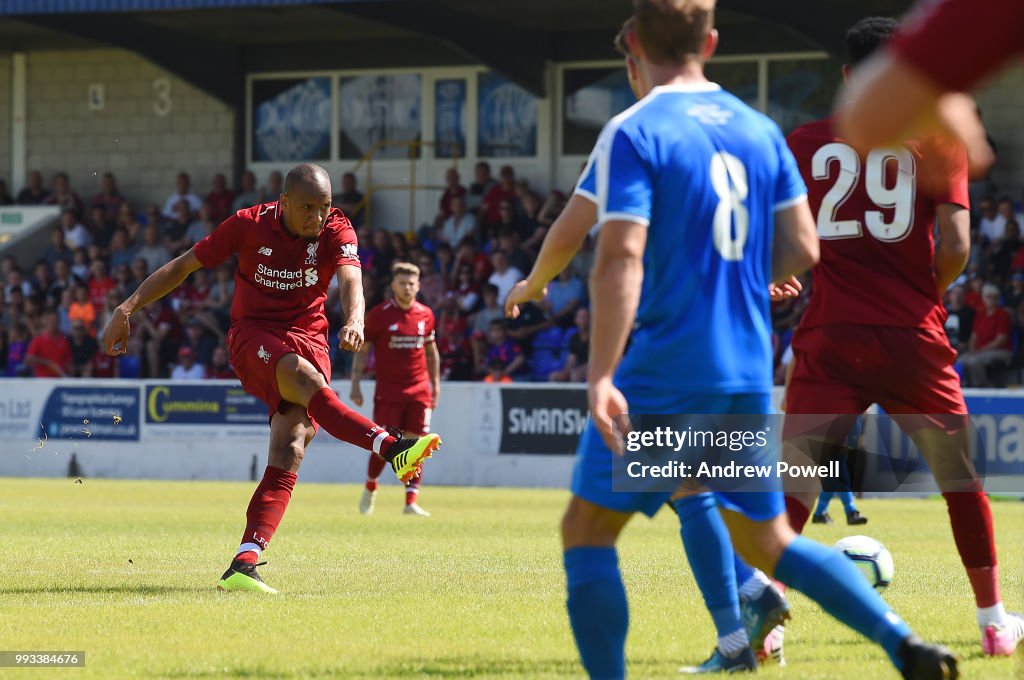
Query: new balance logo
{"x": 710, "y": 114}
{"x": 263, "y": 354}
{"x": 393, "y": 327}
{"x": 266, "y": 251}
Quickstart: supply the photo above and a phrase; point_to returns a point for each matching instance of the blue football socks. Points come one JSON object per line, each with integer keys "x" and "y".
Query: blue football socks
{"x": 598, "y": 610}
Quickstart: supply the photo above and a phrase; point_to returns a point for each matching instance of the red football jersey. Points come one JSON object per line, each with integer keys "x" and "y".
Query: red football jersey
{"x": 399, "y": 336}
{"x": 282, "y": 281}
{"x": 957, "y": 43}
{"x": 876, "y": 224}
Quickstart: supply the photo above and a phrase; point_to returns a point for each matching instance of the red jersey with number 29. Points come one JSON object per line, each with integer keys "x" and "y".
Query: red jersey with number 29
{"x": 875, "y": 225}
{"x": 282, "y": 280}
{"x": 399, "y": 337}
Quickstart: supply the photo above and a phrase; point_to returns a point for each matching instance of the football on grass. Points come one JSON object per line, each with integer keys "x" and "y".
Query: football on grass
{"x": 871, "y": 558}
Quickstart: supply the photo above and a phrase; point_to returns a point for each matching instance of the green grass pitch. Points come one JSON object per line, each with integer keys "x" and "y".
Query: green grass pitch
{"x": 126, "y": 571}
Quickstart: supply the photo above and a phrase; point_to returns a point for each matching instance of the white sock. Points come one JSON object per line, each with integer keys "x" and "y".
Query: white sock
{"x": 733, "y": 643}
{"x": 249, "y": 547}
{"x": 994, "y": 615}
{"x": 755, "y": 585}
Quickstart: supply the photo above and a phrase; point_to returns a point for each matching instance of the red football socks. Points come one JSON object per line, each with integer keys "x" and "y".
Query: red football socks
{"x": 345, "y": 424}
{"x": 798, "y": 514}
{"x": 265, "y": 511}
{"x": 373, "y": 470}
{"x": 412, "y": 491}
{"x": 971, "y": 519}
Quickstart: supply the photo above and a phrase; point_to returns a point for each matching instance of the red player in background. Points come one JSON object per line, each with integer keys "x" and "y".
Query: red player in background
{"x": 401, "y": 332}
{"x": 873, "y": 331}
{"x": 287, "y": 253}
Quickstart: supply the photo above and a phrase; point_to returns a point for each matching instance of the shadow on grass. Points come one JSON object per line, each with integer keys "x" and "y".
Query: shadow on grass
{"x": 126, "y": 589}
{"x": 450, "y": 667}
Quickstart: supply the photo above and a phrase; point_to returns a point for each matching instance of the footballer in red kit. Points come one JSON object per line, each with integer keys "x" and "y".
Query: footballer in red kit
{"x": 401, "y": 332}
{"x": 873, "y": 330}
{"x": 287, "y": 253}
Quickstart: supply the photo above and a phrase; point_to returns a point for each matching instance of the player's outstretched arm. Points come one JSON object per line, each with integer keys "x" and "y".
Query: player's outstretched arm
{"x": 353, "y": 307}
{"x": 561, "y": 244}
{"x": 615, "y": 291}
{"x": 954, "y": 245}
{"x": 158, "y": 284}
{"x": 795, "y": 246}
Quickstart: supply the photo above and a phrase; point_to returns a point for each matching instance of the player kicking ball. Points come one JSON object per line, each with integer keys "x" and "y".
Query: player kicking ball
{"x": 401, "y": 331}
{"x": 287, "y": 253}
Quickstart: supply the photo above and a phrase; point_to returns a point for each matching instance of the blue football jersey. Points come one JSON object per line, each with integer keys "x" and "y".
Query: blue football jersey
{"x": 705, "y": 173}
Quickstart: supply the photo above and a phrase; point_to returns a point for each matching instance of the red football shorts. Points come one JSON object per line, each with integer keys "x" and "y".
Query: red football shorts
{"x": 844, "y": 368}
{"x": 254, "y": 353}
{"x": 408, "y": 416}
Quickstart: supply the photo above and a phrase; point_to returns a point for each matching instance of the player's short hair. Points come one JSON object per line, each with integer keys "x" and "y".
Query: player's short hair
{"x": 308, "y": 174}
{"x": 672, "y": 31}
{"x": 866, "y": 36}
{"x": 628, "y": 26}
{"x": 404, "y": 268}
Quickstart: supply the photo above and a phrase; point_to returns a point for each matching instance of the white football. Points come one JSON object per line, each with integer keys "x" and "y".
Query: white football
{"x": 871, "y": 558}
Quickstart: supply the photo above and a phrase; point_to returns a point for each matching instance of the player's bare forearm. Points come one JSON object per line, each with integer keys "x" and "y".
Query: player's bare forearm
{"x": 350, "y": 294}
{"x": 615, "y": 290}
{"x": 433, "y": 366}
{"x": 359, "y": 365}
{"x": 563, "y": 240}
{"x": 795, "y": 247}
{"x": 954, "y": 247}
{"x": 161, "y": 282}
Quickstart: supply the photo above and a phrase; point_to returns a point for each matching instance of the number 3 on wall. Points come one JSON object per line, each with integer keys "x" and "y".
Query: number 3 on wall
{"x": 899, "y": 198}
{"x": 162, "y": 91}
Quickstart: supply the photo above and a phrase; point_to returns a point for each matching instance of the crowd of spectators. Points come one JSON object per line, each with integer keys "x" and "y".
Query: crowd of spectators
{"x": 483, "y": 240}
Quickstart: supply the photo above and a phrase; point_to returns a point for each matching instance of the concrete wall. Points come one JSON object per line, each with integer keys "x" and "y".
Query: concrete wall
{"x": 1002, "y": 102}
{"x": 128, "y": 136}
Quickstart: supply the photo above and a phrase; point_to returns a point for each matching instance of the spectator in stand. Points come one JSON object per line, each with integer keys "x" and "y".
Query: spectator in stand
{"x": 110, "y": 303}
{"x": 102, "y": 230}
{"x": 972, "y": 295}
{"x": 482, "y": 183}
{"x": 565, "y": 295}
{"x": 153, "y": 216}
{"x": 17, "y": 351}
{"x": 49, "y": 352}
{"x": 129, "y": 222}
{"x": 528, "y": 326}
{"x": 100, "y": 283}
{"x": 1004, "y": 251}
{"x": 75, "y": 233}
{"x": 82, "y": 309}
{"x": 80, "y": 264}
{"x": 109, "y": 198}
{"x": 187, "y": 368}
{"x": 505, "y": 190}
{"x": 247, "y": 196}
{"x": 5, "y": 196}
{"x": 274, "y": 188}
{"x": 505, "y": 276}
{"x": 183, "y": 192}
{"x": 58, "y": 248}
{"x": 220, "y": 199}
{"x": 121, "y": 252}
{"x": 14, "y": 311}
{"x": 445, "y": 263}
{"x": 502, "y": 348}
{"x": 219, "y": 368}
{"x": 496, "y": 372}
{"x": 153, "y": 250}
{"x": 63, "y": 197}
{"x": 456, "y": 354}
{"x": 991, "y": 224}
{"x": 34, "y": 315}
{"x": 203, "y": 225}
{"x": 551, "y": 208}
{"x": 34, "y": 193}
{"x": 140, "y": 270}
{"x": 162, "y": 335}
{"x": 577, "y": 350}
{"x": 199, "y": 341}
{"x": 432, "y": 286}
{"x": 350, "y": 199}
{"x": 467, "y": 293}
{"x": 1006, "y": 209}
{"x": 63, "y": 279}
{"x": 399, "y": 246}
{"x": 959, "y": 320}
{"x": 176, "y": 228}
{"x": 1013, "y": 297}
{"x": 990, "y": 341}
{"x": 222, "y": 290}
{"x": 491, "y": 311}
{"x": 467, "y": 253}
{"x": 83, "y": 348}
{"x": 508, "y": 241}
{"x": 459, "y": 223}
{"x": 42, "y": 281}
{"x": 16, "y": 280}
{"x": 102, "y": 365}
{"x": 452, "y": 191}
